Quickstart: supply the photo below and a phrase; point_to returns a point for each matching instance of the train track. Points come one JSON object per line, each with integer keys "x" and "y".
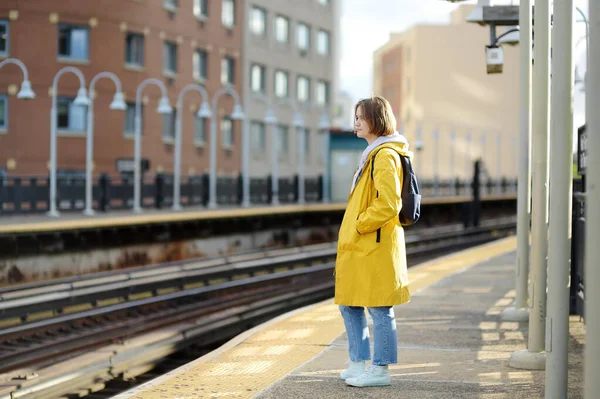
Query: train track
{"x": 78, "y": 352}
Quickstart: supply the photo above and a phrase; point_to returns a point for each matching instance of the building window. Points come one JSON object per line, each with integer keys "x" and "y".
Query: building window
{"x": 407, "y": 85}
{"x": 69, "y": 116}
{"x": 170, "y": 58}
{"x": 3, "y": 112}
{"x": 258, "y": 136}
{"x": 303, "y": 36}
{"x": 4, "y": 38}
{"x": 281, "y": 84}
{"x": 228, "y": 13}
{"x": 257, "y": 78}
{"x": 302, "y": 89}
{"x": 170, "y": 4}
{"x": 282, "y": 29}
{"x": 227, "y": 70}
{"x": 129, "y": 128}
{"x": 322, "y": 92}
{"x": 227, "y": 132}
{"x": 284, "y": 140}
{"x": 200, "y": 130}
{"x": 168, "y": 128}
{"x": 200, "y": 66}
{"x": 134, "y": 49}
{"x": 73, "y": 42}
{"x": 258, "y": 21}
{"x": 407, "y": 55}
{"x": 323, "y": 42}
{"x": 201, "y": 8}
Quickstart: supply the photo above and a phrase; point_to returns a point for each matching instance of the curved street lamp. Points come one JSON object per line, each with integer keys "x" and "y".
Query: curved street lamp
{"x": 81, "y": 100}
{"x": 324, "y": 127}
{"x": 298, "y": 123}
{"x": 25, "y": 93}
{"x": 163, "y": 108}
{"x": 237, "y": 114}
{"x": 269, "y": 119}
{"x": 203, "y": 112}
{"x": 117, "y": 104}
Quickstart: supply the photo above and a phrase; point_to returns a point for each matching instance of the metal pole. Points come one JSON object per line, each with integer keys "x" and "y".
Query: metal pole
{"x": 327, "y": 170}
{"x": 177, "y": 165}
{"x": 436, "y": 162}
{"x": 245, "y": 164}
{"x": 89, "y": 151}
{"x": 301, "y": 155}
{"x": 592, "y": 210}
{"x": 137, "y": 153}
{"x": 559, "y": 231}
{"x": 453, "y": 187}
{"x": 519, "y": 311}
{"x": 53, "y": 211}
{"x": 274, "y": 166}
{"x": 534, "y": 357}
{"x": 212, "y": 183}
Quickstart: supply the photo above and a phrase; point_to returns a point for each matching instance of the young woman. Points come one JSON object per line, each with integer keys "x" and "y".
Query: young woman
{"x": 371, "y": 268}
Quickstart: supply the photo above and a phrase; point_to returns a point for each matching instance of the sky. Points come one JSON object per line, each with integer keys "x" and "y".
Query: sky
{"x": 366, "y": 25}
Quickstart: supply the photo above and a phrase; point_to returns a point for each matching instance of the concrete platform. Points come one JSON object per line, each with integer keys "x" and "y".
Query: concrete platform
{"x": 451, "y": 344}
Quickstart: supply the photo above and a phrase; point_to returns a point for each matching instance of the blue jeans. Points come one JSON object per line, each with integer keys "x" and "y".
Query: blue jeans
{"x": 385, "y": 345}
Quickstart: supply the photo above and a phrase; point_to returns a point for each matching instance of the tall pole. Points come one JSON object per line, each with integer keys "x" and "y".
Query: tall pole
{"x": 301, "y": 161}
{"x": 177, "y": 161}
{"x": 592, "y": 210}
{"x": 137, "y": 145}
{"x": 245, "y": 164}
{"x": 436, "y": 162}
{"x": 89, "y": 159}
{"x": 325, "y": 133}
{"x": 212, "y": 181}
{"x": 89, "y": 154}
{"x": 178, "y": 138}
{"x": 559, "y": 248}
{"x": 274, "y": 165}
{"x": 81, "y": 96}
{"x": 453, "y": 188}
{"x": 534, "y": 357}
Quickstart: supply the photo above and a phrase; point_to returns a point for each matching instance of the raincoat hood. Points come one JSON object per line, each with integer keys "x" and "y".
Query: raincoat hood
{"x": 396, "y": 141}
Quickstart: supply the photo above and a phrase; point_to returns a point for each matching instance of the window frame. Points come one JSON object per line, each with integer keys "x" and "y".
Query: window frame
{"x": 72, "y": 27}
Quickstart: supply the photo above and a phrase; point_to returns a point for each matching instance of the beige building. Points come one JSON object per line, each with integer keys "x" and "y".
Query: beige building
{"x": 290, "y": 55}
{"x": 435, "y": 78}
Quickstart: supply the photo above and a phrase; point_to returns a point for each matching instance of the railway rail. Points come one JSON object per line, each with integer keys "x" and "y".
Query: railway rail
{"x": 70, "y": 338}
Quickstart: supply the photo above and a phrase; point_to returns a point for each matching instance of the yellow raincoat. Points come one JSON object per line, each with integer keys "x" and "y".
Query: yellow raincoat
{"x": 370, "y": 267}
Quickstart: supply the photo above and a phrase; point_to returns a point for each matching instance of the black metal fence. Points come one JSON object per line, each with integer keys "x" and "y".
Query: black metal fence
{"x": 23, "y": 195}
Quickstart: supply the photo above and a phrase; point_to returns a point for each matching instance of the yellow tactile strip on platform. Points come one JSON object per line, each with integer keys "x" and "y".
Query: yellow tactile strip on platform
{"x": 244, "y": 368}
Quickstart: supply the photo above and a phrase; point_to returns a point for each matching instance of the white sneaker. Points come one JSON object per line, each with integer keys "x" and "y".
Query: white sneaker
{"x": 374, "y": 376}
{"x": 354, "y": 369}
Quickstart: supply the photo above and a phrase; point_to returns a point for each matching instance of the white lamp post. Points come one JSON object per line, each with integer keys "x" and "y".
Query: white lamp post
{"x": 25, "y": 93}
{"x": 324, "y": 127}
{"x": 271, "y": 119}
{"x": 117, "y": 104}
{"x": 163, "y": 108}
{"x": 203, "y": 112}
{"x": 298, "y": 123}
{"x": 81, "y": 100}
{"x": 237, "y": 114}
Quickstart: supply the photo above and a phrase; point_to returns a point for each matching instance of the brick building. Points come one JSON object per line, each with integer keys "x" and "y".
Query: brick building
{"x": 176, "y": 41}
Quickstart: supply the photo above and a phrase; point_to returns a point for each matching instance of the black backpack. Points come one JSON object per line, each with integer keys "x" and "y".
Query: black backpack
{"x": 411, "y": 199}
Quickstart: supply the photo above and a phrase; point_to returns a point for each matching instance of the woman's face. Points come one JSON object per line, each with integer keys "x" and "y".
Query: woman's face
{"x": 361, "y": 126}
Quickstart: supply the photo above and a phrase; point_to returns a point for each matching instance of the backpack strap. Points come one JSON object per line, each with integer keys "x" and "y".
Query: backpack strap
{"x": 403, "y": 162}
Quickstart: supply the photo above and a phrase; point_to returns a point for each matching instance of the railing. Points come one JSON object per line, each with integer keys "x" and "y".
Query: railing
{"x": 23, "y": 195}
